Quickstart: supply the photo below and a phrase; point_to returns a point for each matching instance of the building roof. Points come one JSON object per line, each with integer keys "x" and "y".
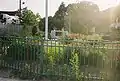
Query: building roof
{"x": 12, "y": 13}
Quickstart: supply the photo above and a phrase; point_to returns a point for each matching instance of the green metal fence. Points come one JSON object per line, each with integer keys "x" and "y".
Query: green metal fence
{"x": 61, "y": 60}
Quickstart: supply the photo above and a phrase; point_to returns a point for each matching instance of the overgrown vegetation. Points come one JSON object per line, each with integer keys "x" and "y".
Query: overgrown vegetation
{"x": 53, "y": 60}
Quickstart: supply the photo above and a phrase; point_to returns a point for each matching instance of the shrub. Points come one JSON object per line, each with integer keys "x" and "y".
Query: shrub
{"x": 54, "y": 54}
{"x": 87, "y": 53}
{"x": 75, "y": 70}
{"x": 22, "y": 51}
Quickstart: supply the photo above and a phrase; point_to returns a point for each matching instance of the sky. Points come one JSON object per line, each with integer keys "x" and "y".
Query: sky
{"x": 38, "y": 6}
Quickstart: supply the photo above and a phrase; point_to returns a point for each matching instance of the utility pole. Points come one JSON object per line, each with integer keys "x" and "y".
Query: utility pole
{"x": 20, "y": 5}
{"x": 46, "y": 20}
{"x": 20, "y": 2}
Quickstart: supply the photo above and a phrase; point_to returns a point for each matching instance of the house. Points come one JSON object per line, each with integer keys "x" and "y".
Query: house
{"x": 9, "y": 23}
{"x": 9, "y": 17}
{"x": 56, "y": 34}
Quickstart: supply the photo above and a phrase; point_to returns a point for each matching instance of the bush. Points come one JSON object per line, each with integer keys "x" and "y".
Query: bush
{"x": 54, "y": 54}
{"x": 88, "y": 54}
{"x": 75, "y": 69}
{"x": 22, "y": 51}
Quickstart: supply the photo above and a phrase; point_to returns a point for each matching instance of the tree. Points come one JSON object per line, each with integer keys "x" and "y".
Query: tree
{"x": 58, "y": 18}
{"x": 117, "y": 14}
{"x": 29, "y": 21}
{"x": 81, "y": 17}
{"x": 51, "y": 24}
{"x": 116, "y": 27}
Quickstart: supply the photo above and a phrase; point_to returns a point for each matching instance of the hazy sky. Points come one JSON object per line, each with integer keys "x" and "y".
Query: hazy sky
{"x": 39, "y": 5}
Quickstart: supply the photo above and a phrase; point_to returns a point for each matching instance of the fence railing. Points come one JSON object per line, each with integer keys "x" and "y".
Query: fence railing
{"x": 63, "y": 60}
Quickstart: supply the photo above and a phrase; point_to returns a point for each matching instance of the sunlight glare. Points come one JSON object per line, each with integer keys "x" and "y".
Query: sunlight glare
{"x": 103, "y": 4}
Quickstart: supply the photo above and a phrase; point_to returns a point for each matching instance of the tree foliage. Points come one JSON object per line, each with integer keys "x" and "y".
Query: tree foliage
{"x": 81, "y": 16}
{"x": 59, "y": 17}
{"x": 115, "y": 35}
{"x": 50, "y": 24}
{"x": 29, "y": 21}
{"x": 117, "y": 13}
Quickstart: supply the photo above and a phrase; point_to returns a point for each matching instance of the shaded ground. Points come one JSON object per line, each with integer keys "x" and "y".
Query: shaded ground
{"x": 4, "y": 76}
{"x": 7, "y": 79}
